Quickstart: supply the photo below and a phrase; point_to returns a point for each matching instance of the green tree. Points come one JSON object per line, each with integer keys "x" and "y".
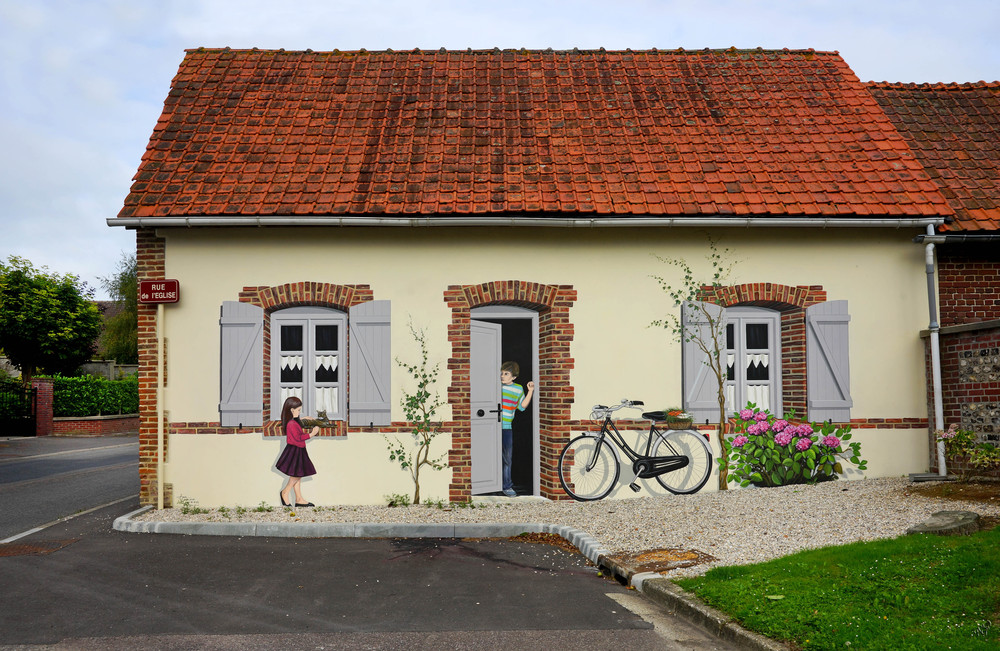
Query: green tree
{"x": 691, "y": 293}
{"x": 120, "y": 339}
{"x": 48, "y": 321}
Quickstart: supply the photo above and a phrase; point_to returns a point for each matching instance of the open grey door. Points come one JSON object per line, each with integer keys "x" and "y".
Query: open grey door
{"x": 485, "y": 402}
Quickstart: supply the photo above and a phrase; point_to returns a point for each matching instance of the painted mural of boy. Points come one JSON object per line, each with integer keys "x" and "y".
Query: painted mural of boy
{"x": 512, "y": 398}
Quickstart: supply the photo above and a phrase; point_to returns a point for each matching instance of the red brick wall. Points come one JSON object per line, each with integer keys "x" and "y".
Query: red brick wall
{"x": 44, "y": 395}
{"x": 150, "y": 256}
{"x": 97, "y": 426}
{"x": 969, "y": 291}
{"x": 969, "y": 283}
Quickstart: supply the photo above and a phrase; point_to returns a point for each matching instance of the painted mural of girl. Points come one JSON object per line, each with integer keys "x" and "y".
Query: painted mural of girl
{"x": 294, "y": 460}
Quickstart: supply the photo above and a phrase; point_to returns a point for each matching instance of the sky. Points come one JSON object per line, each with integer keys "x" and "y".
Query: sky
{"x": 82, "y": 82}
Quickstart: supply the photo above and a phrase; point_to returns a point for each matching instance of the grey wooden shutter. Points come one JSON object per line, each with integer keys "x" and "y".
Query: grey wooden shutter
{"x": 701, "y": 391}
{"x": 828, "y": 373}
{"x": 369, "y": 356}
{"x": 242, "y": 382}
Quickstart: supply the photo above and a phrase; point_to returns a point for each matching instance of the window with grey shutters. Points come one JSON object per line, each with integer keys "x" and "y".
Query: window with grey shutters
{"x": 754, "y": 360}
{"x": 828, "y": 371}
{"x": 242, "y": 352}
{"x": 307, "y": 360}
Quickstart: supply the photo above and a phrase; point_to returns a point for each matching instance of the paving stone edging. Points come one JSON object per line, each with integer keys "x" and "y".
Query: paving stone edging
{"x": 662, "y": 591}
{"x": 583, "y": 541}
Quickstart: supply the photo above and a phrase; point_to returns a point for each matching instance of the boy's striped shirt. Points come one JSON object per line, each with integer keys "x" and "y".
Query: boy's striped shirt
{"x": 510, "y": 399}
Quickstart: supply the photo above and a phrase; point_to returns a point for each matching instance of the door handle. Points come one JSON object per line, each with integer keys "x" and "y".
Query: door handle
{"x": 480, "y": 413}
{"x": 497, "y": 412}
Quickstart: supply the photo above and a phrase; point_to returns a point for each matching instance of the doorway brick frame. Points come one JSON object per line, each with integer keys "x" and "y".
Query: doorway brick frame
{"x": 555, "y": 394}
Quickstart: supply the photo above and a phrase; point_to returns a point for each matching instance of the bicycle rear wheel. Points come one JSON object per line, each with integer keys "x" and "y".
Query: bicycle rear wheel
{"x": 695, "y": 447}
{"x": 588, "y": 468}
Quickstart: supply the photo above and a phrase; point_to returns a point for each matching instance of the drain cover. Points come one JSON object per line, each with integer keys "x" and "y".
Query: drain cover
{"x": 663, "y": 560}
{"x": 35, "y": 548}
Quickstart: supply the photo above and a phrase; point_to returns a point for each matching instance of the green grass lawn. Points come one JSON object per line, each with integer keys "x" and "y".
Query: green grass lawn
{"x": 914, "y": 592}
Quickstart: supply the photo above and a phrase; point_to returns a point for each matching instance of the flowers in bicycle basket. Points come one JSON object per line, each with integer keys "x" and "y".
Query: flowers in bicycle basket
{"x": 772, "y": 451}
{"x": 677, "y": 418}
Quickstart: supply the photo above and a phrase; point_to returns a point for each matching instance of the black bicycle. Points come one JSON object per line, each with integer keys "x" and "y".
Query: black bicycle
{"x": 589, "y": 466}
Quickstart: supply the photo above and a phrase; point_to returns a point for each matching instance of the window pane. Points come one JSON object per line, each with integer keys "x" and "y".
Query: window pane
{"x": 730, "y": 336}
{"x": 756, "y": 336}
{"x": 291, "y": 369}
{"x": 326, "y": 368}
{"x": 291, "y": 337}
{"x": 326, "y": 337}
{"x": 757, "y": 371}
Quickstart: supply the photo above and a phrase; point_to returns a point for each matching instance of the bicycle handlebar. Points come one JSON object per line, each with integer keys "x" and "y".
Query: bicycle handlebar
{"x": 601, "y": 411}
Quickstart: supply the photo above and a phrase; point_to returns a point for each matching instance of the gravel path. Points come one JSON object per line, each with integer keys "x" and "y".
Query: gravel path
{"x": 736, "y": 526}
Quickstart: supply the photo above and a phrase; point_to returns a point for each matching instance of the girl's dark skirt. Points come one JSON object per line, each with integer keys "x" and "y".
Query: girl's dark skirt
{"x": 294, "y": 462}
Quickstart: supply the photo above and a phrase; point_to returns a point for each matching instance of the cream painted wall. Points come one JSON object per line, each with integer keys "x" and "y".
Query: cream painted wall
{"x": 617, "y": 355}
{"x": 229, "y": 470}
{"x": 246, "y": 475}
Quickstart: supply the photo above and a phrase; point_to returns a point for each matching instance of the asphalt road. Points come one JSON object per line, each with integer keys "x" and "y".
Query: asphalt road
{"x": 45, "y": 479}
{"x": 69, "y": 581}
{"x": 103, "y": 589}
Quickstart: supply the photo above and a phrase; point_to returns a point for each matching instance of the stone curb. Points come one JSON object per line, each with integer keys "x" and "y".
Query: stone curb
{"x": 583, "y": 541}
{"x": 659, "y": 590}
{"x": 676, "y": 601}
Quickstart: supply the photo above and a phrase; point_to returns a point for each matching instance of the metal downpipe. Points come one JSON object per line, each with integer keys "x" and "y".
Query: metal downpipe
{"x": 935, "y": 329}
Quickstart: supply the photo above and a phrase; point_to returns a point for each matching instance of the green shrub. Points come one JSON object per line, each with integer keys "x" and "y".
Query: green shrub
{"x": 90, "y": 395}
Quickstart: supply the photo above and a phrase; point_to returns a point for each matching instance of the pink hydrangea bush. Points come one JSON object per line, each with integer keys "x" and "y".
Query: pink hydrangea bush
{"x": 772, "y": 451}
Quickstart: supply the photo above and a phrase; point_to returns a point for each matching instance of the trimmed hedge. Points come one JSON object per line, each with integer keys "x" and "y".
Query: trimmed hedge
{"x": 91, "y": 395}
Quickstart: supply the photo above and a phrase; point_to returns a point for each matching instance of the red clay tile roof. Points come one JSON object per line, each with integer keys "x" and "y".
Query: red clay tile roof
{"x": 954, "y": 129}
{"x": 500, "y": 132}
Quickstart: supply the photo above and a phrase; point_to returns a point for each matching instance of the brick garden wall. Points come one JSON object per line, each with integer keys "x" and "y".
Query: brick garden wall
{"x": 95, "y": 425}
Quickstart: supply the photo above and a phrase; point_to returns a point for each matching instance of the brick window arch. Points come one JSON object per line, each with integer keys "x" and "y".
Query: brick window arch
{"x": 555, "y": 394}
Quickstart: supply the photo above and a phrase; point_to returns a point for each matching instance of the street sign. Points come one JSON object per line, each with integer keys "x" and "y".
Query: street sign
{"x": 159, "y": 291}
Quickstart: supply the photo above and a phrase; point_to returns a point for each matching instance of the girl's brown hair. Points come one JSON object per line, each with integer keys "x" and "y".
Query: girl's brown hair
{"x": 286, "y": 410}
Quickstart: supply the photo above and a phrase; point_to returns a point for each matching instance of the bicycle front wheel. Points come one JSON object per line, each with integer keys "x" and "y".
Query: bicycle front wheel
{"x": 588, "y": 468}
{"x": 695, "y": 447}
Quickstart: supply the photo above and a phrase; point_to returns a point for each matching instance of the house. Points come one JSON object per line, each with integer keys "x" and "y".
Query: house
{"x": 954, "y": 130}
{"x": 511, "y": 204}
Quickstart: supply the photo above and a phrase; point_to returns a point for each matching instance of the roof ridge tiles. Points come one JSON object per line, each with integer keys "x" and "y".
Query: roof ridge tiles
{"x": 524, "y": 50}
{"x": 935, "y": 85}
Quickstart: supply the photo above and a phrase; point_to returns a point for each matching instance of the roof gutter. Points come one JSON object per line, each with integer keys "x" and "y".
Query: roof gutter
{"x": 946, "y": 238}
{"x": 546, "y": 222}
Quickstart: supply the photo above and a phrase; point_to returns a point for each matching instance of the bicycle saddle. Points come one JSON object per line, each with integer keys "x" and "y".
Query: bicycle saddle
{"x": 655, "y": 415}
